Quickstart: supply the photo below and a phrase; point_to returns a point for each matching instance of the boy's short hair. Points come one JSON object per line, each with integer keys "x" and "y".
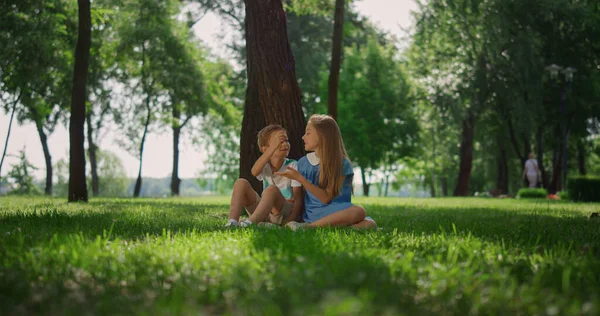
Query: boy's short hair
{"x": 265, "y": 134}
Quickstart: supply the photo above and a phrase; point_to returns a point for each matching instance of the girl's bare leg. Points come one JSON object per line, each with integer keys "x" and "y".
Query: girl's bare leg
{"x": 243, "y": 195}
{"x": 350, "y": 216}
{"x": 365, "y": 224}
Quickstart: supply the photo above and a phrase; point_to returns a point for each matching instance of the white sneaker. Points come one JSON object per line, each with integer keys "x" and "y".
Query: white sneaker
{"x": 232, "y": 223}
{"x": 267, "y": 225}
{"x": 246, "y": 223}
{"x": 295, "y": 225}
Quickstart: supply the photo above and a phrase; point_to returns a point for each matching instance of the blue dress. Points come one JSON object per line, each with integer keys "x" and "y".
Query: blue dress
{"x": 308, "y": 166}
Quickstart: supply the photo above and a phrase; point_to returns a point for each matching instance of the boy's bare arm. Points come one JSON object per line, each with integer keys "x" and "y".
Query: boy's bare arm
{"x": 298, "y": 207}
{"x": 261, "y": 162}
{"x": 274, "y": 144}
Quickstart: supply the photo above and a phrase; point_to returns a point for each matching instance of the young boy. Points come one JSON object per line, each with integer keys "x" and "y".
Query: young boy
{"x": 282, "y": 199}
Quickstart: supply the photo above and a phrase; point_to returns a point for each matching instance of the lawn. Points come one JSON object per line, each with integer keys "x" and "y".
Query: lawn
{"x": 431, "y": 256}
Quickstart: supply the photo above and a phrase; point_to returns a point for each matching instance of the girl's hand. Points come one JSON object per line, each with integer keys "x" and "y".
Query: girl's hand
{"x": 290, "y": 173}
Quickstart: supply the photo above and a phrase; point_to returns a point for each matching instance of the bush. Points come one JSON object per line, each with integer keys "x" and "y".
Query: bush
{"x": 532, "y": 193}
{"x": 584, "y": 188}
{"x": 563, "y": 195}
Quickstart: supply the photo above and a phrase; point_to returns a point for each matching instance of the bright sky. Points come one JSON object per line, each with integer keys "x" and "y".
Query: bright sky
{"x": 390, "y": 15}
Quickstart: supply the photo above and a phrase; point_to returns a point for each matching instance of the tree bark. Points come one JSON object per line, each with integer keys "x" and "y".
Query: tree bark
{"x": 175, "y": 181}
{"x": 365, "y": 184}
{"x": 387, "y": 185}
{"x": 92, "y": 154}
{"x": 138, "y": 182}
{"x": 77, "y": 184}
{"x": 47, "y": 157}
{"x": 466, "y": 156}
{"x": 12, "y": 116}
{"x": 581, "y": 157}
{"x": 555, "y": 184}
{"x": 444, "y": 185}
{"x": 336, "y": 56}
{"x": 272, "y": 93}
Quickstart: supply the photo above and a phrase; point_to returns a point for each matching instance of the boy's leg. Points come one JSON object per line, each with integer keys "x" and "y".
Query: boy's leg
{"x": 243, "y": 195}
{"x": 271, "y": 198}
{"x": 350, "y": 216}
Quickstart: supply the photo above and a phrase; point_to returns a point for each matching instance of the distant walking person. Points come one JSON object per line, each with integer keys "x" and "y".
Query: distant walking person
{"x": 531, "y": 171}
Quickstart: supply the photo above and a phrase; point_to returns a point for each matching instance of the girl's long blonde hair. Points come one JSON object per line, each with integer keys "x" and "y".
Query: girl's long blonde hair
{"x": 331, "y": 153}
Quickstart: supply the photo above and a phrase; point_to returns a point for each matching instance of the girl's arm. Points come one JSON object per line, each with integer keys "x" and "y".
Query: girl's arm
{"x": 321, "y": 194}
{"x": 298, "y": 207}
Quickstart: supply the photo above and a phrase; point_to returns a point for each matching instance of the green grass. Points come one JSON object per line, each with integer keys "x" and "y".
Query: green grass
{"x": 432, "y": 256}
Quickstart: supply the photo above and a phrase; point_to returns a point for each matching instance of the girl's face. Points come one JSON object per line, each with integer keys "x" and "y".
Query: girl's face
{"x": 310, "y": 138}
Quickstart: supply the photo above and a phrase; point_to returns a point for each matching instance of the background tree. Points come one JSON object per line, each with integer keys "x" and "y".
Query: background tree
{"x": 376, "y": 115}
{"x": 77, "y": 184}
{"x": 336, "y": 56}
{"x": 21, "y": 176}
{"x": 36, "y": 69}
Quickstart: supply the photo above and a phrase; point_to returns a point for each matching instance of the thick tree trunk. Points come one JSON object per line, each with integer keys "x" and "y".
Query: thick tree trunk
{"x": 581, "y": 157}
{"x": 466, "y": 156}
{"x": 272, "y": 94}
{"x": 336, "y": 56}
{"x": 12, "y": 116}
{"x": 540, "y": 156}
{"x": 138, "y": 182}
{"x": 47, "y": 158}
{"x": 175, "y": 181}
{"x": 365, "y": 184}
{"x": 92, "y": 154}
{"x": 77, "y": 184}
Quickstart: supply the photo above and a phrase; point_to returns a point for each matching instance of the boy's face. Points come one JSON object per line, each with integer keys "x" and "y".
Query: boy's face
{"x": 278, "y": 139}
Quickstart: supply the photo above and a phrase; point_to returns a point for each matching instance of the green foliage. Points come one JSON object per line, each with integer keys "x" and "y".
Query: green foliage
{"x": 36, "y": 39}
{"x": 433, "y": 256}
{"x": 376, "y": 107}
{"x": 584, "y": 188}
{"x": 527, "y": 193}
{"x": 21, "y": 177}
{"x": 113, "y": 180}
{"x": 563, "y": 195}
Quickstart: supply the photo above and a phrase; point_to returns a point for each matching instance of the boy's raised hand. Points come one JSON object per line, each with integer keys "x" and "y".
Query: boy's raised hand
{"x": 290, "y": 173}
{"x": 276, "y": 140}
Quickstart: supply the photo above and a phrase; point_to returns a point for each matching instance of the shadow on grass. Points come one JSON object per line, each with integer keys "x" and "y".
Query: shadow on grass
{"x": 317, "y": 272}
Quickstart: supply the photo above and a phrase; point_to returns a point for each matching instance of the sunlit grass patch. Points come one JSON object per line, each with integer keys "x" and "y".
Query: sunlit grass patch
{"x": 431, "y": 256}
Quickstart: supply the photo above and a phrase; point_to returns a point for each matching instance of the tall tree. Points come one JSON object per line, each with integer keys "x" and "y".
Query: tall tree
{"x": 77, "y": 184}
{"x": 12, "y": 116}
{"x": 272, "y": 94}
{"x": 336, "y": 56}
{"x": 377, "y": 117}
{"x": 35, "y": 37}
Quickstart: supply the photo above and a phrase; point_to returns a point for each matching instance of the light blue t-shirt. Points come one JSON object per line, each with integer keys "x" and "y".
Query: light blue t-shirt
{"x": 308, "y": 166}
{"x": 284, "y": 184}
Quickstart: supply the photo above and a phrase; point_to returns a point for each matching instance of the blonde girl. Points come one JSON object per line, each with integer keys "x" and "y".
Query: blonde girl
{"x": 326, "y": 175}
